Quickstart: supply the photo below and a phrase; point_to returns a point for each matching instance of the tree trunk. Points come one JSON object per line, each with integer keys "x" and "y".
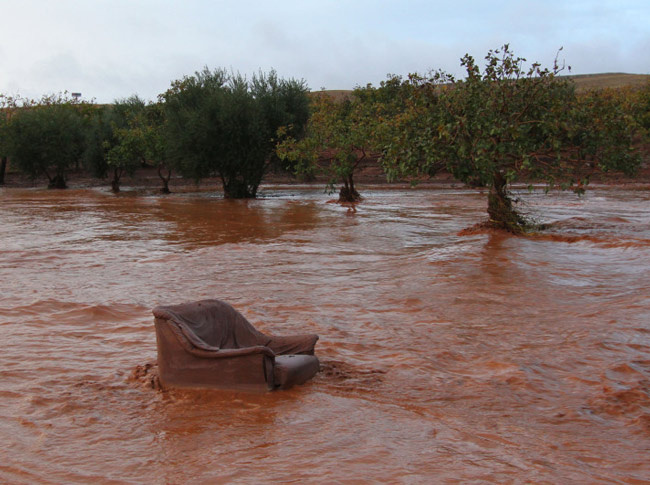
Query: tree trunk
{"x": 58, "y": 182}
{"x": 502, "y": 213}
{"x": 237, "y": 189}
{"x": 115, "y": 183}
{"x": 348, "y": 193}
{"x": 3, "y": 170}
{"x": 165, "y": 179}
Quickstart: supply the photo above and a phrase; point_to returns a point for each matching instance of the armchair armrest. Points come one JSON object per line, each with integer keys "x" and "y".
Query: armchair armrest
{"x": 226, "y": 353}
{"x": 197, "y": 348}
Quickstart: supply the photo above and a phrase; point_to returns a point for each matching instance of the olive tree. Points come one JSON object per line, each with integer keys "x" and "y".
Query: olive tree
{"x": 222, "y": 124}
{"x": 507, "y": 123}
{"x": 47, "y": 138}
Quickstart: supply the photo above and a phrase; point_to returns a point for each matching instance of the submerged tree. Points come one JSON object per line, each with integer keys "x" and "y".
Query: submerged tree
{"x": 225, "y": 125}
{"x": 47, "y": 138}
{"x": 343, "y": 134}
{"x": 504, "y": 124}
{"x": 113, "y": 144}
{"x": 336, "y": 136}
{"x": 124, "y": 136}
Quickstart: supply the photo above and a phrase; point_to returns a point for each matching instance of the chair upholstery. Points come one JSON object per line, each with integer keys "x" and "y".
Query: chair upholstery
{"x": 210, "y": 344}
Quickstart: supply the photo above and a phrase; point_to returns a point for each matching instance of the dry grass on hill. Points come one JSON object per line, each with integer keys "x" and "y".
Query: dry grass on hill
{"x": 583, "y": 83}
{"x": 610, "y": 80}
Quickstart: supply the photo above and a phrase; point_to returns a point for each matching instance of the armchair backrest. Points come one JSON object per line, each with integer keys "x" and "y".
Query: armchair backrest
{"x": 212, "y": 322}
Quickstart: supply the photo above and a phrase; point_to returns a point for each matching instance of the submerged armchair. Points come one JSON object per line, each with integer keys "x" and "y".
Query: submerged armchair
{"x": 210, "y": 344}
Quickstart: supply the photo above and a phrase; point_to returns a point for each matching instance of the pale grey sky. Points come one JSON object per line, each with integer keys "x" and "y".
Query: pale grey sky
{"x": 108, "y": 49}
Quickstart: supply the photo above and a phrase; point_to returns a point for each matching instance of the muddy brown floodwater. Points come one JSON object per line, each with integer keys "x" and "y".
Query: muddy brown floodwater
{"x": 445, "y": 357}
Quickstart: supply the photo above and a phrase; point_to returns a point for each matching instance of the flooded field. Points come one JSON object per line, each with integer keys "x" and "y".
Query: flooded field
{"x": 445, "y": 357}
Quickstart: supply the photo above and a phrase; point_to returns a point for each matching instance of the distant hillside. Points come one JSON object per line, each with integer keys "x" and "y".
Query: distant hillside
{"x": 609, "y": 80}
{"x": 583, "y": 82}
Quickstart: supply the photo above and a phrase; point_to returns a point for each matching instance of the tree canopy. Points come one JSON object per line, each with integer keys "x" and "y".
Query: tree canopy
{"x": 342, "y": 134}
{"x": 219, "y": 123}
{"x": 47, "y": 138}
{"x": 337, "y": 133}
{"x": 507, "y": 123}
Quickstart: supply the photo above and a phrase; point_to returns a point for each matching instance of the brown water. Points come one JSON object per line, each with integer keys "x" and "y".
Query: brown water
{"x": 483, "y": 358}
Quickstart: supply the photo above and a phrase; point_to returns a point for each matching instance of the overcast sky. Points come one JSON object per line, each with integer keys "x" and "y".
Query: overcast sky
{"x": 108, "y": 49}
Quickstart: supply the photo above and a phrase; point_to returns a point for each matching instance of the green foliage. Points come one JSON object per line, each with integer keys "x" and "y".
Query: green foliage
{"x": 127, "y": 152}
{"x": 5, "y": 113}
{"x": 641, "y": 110}
{"x": 492, "y": 122}
{"x": 343, "y": 134}
{"x": 336, "y": 131}
{"x": 99, "y": 132}
{"x": 47, "y": 138}
{"x": 113, "y": 141}
{"x": 602, "y": 134}
{"x": 7, "y": 106}
{"x": 150, "y": 128}
{"x": 223, "y": 124}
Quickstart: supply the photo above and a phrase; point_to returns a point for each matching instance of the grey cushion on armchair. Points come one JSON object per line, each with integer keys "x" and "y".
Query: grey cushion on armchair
{"x": 210, "y": 344}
